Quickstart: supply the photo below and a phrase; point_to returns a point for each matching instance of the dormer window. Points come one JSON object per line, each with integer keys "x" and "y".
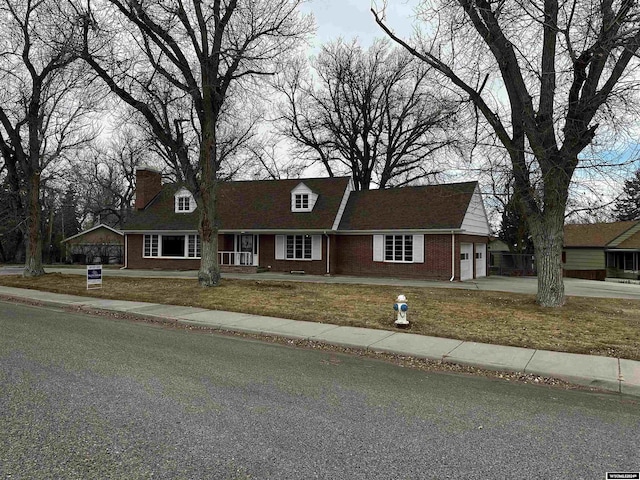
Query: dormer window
{"x": 302, "y": 199}
{"x": 184, "y": 201}
{"x": 183, "y": 204}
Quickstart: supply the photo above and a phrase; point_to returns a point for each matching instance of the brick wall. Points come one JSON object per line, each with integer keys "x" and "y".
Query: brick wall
{"x": 350, "y": 255}
{"x": 135, "y": 260}
{"x": 268, "y": 258}
{"x": 355, "y": 257}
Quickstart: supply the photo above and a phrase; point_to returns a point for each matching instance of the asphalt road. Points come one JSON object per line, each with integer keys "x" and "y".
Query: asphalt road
{"x": 85, "y": 397}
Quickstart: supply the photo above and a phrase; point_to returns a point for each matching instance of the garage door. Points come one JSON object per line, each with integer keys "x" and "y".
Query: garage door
{"x": 466, "y": 259}
{"x": 481, "y": 260}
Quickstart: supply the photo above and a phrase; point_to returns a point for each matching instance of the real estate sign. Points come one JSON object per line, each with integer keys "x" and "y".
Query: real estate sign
{"x": 94, "y": 276}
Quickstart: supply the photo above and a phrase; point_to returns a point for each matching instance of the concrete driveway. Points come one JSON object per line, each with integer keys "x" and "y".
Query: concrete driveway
{"x": 527, "y": 285}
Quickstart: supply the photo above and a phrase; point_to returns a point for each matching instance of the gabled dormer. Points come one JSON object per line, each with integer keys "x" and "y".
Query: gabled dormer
{"x": 302, "y": 198}
{"x": 184, "y": 201}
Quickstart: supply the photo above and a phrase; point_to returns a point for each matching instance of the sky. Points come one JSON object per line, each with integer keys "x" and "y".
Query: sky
{"x": 353, "y": 18}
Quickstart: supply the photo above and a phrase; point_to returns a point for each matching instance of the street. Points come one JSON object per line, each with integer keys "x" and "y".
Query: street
{"x": 88, "y": 397}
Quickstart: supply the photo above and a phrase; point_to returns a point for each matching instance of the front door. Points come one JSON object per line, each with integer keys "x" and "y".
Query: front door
{"x": 246, "y": 249}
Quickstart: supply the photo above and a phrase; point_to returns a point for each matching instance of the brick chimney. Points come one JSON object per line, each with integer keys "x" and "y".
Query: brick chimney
{"x": 148, "y": 185}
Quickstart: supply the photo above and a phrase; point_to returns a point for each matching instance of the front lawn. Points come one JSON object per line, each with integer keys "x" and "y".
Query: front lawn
{"x": 594, "y": 326}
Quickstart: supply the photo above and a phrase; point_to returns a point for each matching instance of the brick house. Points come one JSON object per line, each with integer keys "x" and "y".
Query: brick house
{"x": 316, "y": 226}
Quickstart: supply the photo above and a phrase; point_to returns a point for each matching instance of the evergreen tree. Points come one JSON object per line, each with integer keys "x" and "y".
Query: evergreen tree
{"x": 628, "y": 204}
{"x": 514, "y": 231}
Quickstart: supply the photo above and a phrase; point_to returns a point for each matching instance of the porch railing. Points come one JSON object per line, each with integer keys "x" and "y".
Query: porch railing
{"x": 237, "y": 258}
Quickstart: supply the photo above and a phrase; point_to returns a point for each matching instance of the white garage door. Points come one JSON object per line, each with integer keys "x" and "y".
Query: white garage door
{"x": 466, "y": 259}
{"x": 481, "y": 260}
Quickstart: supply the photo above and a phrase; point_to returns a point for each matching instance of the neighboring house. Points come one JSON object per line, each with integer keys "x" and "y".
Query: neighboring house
{"x": 317, "y": 226}
{"x": 602, "y": 250}
{"x": 99, "y": 244}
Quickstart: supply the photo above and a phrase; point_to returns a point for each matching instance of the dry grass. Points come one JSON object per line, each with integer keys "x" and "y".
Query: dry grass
{"x": 584, "y": 325}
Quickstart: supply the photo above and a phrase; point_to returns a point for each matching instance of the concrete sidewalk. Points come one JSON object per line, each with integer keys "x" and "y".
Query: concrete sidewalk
{"x": 608, "y": 373}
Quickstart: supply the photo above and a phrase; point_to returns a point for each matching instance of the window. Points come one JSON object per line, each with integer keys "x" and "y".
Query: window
{"x": 184, "y": 204}
{"x": 398, "y": 248}
{"x": 174, "y": 246}
{"x": 298, "y": 247}
{"x": 195, "y": 246}
{"x": 464, "y": 256}
{"x": 302, "y": 201}
{"x": 151, "y": 245}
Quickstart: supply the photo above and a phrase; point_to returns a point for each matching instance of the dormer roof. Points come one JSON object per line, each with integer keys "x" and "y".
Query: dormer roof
{"x": 184, "y": 202}
{"x": 303, "y": 199}
{"x": 263, "y": 205}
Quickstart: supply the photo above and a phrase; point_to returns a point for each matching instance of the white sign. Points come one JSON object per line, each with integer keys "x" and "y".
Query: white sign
{"x": 94, "y": 276}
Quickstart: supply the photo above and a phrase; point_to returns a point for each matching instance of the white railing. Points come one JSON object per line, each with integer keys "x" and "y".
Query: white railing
{"x": 237, "y": 258}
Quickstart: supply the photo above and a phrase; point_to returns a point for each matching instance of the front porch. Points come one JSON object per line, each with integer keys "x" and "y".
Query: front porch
{"x": 239, "y": 250}
{"x": 623, "y": 264}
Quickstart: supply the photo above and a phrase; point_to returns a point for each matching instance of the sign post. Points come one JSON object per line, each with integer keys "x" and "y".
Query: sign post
{"x": 94, "y": 276}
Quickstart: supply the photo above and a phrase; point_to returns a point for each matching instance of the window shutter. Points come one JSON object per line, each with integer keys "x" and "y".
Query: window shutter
{"x": 316, "y": 247}
{"x": 378, "y": 248}
{"x": 418, "y": 249}
{"x": 280, "y": 247}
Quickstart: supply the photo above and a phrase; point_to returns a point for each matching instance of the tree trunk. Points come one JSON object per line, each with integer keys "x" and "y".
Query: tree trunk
{"x": 33, "y": 261}
{"x": 209, "y": 274}
{"x": 548, "y": 233}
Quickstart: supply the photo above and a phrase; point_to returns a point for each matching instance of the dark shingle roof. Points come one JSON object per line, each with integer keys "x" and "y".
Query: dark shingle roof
{"x": 594, "y": 234}
{"x": 424, "y": 207}
{"x": 249, "y": 205}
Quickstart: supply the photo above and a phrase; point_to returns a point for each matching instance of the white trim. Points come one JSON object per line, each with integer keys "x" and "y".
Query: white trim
{"x": 343, "y": 204}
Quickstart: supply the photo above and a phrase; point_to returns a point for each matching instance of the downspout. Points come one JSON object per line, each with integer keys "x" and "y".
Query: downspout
{"x": 453, "y": 257}
{"x": 126, "y": 240}
{"x": 328, "y": 254}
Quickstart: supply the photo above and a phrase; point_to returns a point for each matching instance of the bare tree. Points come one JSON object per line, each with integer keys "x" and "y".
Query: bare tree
{"x": 374, "y": 114}
{"x": 542, "y": 75}
{"x": 104, "y": 177}
{"x": 42, "y": 113}
{"x": 191, "y": 54}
